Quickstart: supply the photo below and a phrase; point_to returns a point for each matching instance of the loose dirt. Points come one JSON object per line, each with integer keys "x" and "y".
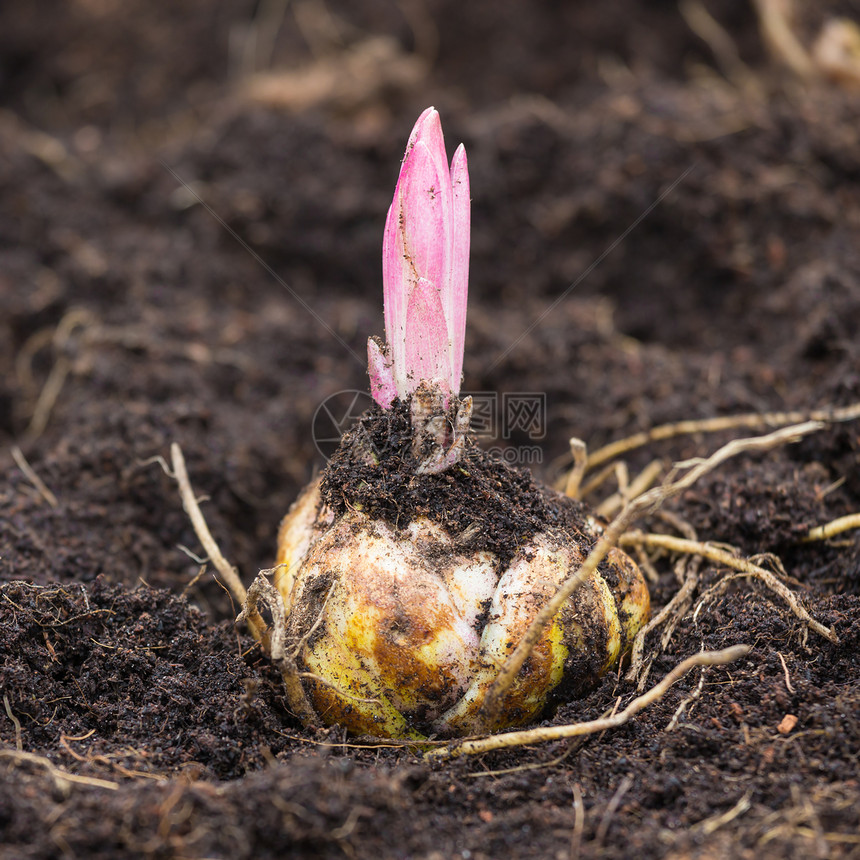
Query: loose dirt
{"x": 136, "y": 720}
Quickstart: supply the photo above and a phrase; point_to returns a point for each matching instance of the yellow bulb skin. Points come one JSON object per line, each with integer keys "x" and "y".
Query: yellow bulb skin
{"x": 400, "y": 633}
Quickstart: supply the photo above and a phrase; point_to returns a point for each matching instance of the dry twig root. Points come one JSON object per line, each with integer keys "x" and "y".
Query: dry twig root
{"x": 272, "y": 638}
{"x": 689, "y": 545}
{"x": 750, "y": 421}
{"x": 647, "y": 502}
{"x": 192, "y": 508}
{"x": 745, "y": 568}
{"x": 262, "y": 594}
{"x": 833, "y": 528}
{"x": 508, "y": 740}
{"x": 63, "y": 780}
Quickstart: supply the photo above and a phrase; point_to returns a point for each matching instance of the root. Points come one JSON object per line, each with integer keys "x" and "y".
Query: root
{"x": 777, "y": 587}
{"x": 777, "y": 33}
{"x": 711, "y": 825}
{"x": 642, "y": 482}
{"x": 753, "y": 421}
{"x": 690, "y": 700}
{"x": 785, "y": 671}
{"x": 297, "y": 649}
{"x": 619, "y": 470}
{"x": 833, "y": 528}
{"x": 70, "y": 358}
{"x": 15, "y": 722}
{"x": 745, "y": 567}
{"x": 722, "y": 45}
{"x": 264, "y": 590}
{"x": 645, "y": 503}
{"x": 273, "y": 642}
{"x": 579, "y": 452}
{"x": 509, "y": 740}
{"x": 612, "y": 807}
{"x": 62, "y": 778}
{"x": 201, "y": 529}
{"x": 30, "y": 474}
{"x": 578, "y": 823}
{"x": 670, "y": 615}
{"x": 59, "y": 340}
{"x": 261, "y": 593}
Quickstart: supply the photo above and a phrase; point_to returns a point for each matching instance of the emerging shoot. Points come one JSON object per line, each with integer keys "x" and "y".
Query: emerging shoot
{"x": 414, "y": 566}
{"x": 425, "y": 280}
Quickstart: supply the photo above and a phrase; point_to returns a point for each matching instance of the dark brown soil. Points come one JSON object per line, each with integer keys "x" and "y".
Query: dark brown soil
{"x": 481, "y": 501}
{"x": 136, "y": 721}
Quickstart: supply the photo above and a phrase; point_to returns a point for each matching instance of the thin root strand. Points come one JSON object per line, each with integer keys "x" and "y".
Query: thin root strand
{"x": 527, "y": 737}
{"x": 744, "y": 567}
{"x": 645, "y": 503}
{"x": 201, "y": 529}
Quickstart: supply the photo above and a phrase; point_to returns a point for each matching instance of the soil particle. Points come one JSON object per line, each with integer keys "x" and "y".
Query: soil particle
{"x": 118, "y": 668}
{"x": 481, "y": 501}
{"x": 130, "y": 319}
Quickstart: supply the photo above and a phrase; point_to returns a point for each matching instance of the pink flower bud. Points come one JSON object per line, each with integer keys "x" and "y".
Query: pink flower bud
{"x": 425, "y": 270}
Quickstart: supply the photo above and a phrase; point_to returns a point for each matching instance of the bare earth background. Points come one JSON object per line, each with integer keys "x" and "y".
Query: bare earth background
{"x": 131, "y": 318}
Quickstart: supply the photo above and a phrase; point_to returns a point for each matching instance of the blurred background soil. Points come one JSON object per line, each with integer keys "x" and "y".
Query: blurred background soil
{"x": 666, "y": 226}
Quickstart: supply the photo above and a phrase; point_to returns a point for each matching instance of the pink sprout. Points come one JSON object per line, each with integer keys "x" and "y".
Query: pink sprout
{"x": 425, "y": 271}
